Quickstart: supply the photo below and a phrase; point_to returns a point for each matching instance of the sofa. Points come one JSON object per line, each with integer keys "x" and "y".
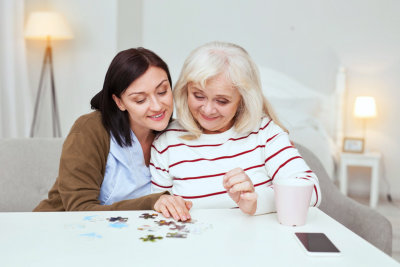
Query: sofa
{"x": 29, "y": 167}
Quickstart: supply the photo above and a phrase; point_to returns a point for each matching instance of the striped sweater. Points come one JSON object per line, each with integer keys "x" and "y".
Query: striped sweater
{"x": 194, "y": 169}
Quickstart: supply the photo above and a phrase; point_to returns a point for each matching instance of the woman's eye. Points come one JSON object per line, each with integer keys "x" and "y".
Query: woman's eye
{"x": 163, "y": 92}
{"x": 140, "y": 101}
{"x": 198, "y": 96}
{"x": 222, "y": 102}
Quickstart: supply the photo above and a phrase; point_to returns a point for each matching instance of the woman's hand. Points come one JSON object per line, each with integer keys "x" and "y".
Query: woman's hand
{"x": 241, "y": 189}
{"x": 173, "y": 205}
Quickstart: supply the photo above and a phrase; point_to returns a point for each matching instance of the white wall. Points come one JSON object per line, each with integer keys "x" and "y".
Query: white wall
{"x": 307, "y": 40}
{"x": 129, "y": 28}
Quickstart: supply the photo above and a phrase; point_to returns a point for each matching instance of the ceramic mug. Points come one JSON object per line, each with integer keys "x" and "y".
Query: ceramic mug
{"x": 292, "y": 200}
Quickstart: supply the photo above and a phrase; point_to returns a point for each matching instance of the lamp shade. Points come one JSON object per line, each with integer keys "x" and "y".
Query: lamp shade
{"x": 43, "y": 25}
{"x": 365, "y": 107}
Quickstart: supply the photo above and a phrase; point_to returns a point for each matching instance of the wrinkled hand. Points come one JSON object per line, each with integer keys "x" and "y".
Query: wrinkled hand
{"x": 241, "y": 189}
{"x": 173, "y": 205}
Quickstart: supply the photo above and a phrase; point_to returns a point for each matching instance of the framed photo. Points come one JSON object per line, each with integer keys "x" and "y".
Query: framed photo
{"x": 354, "y": 145}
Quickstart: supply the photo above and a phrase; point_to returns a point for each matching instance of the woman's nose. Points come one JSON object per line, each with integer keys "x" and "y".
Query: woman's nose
{"x": 208, "y": 107}
{"x": 155, "y": 104}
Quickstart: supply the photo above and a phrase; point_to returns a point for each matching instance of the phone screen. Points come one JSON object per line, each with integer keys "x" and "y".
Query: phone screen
{"x": 317, "y": 242}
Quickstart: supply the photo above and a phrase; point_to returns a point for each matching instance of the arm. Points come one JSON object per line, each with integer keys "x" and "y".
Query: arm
{"x": 161, "y": 180}
{"x": 82, "y": 168}
{"x": 283, "y": 161}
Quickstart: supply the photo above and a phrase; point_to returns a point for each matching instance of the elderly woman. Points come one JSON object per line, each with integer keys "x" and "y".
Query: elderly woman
{"x": 227, "y": 148}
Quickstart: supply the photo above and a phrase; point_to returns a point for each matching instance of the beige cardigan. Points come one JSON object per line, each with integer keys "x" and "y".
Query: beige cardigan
{"x": 81, "y": 173}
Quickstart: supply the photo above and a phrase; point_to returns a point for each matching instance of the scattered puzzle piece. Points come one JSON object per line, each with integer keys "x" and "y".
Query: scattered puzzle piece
{"x": 176, "y": 235}
{"x": 89, "y": 218}
{"x": 148, "y": 228}
{"x": 144, "y": 227}
{"x": 148, "y": 216}
{"x": 93, "y": 218}
{"x": 178, "y": 227}
{"x": 118, "y": 225}
{"x": 91, "y": 235}
{"x": 117, "y": 219}
{"x": 191, "y": 221}
{"x": 151, "y": 238}
{"x": 164, "y": 222}
{"x": 199, "y": 228}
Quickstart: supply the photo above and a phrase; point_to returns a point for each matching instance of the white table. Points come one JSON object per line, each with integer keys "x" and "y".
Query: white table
{"x": 235, "y": 239}
{"x": 372, "y": 160}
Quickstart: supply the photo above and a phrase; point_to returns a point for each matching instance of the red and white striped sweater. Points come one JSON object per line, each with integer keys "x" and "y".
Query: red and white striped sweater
{"x": 194, "y": 169}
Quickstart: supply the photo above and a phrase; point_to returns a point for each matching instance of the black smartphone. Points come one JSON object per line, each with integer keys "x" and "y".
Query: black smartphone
{"x": 317, "y": 244}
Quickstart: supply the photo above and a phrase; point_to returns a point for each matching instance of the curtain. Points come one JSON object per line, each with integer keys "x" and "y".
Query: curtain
{"x": 15, "y": 94}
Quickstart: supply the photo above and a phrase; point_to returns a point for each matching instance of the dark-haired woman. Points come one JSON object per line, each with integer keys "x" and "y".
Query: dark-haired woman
{"x": 105, "y": 157}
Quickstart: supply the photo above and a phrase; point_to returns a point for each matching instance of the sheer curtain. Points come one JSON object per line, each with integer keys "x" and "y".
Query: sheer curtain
{"x": 15, "y": 94}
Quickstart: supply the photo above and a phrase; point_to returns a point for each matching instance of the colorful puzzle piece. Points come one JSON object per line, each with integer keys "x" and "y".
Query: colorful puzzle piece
{"x": 117, "y": 219}
{"x": 118, "y": 225}
{"x": 176, "y": 235}
{"x": 151, "y": 238}
{"x": 148, "y": 228}
{"x": 198, "y": 228}
{"x": 91, "y": 235}
{"x": 191, "y": 221}
{"x": 178, "y": 227}
{"x": 148, "y": 216}
{"x": 164, "y": 222}
{"x": 94, "y": 218}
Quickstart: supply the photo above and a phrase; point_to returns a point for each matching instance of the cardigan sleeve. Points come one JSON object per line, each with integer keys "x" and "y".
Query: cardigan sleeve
{"x": 81, "y": 172}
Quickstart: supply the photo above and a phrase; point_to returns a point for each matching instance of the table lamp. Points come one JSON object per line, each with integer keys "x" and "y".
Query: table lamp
{"x": 47, "y": 26}
{"x": 364, "y": 108}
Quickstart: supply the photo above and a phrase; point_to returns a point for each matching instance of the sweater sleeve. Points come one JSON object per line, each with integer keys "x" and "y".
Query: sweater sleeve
{"x": 161, "y": 179}
{"x": 283, "y": 161}
{"x": 81, "y": 173}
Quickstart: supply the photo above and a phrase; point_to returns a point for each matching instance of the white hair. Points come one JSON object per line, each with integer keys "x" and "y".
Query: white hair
{"x": 210, "y": 60}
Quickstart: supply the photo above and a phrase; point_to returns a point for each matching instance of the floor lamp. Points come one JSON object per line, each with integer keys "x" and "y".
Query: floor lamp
{"x": 49, "y": 26}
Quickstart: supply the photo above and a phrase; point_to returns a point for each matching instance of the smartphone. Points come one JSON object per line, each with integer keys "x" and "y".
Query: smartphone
{"x": 317, "y": 244}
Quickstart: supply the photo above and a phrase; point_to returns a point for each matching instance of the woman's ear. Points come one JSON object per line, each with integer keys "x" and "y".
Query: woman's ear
{"x": 119, "y": 103}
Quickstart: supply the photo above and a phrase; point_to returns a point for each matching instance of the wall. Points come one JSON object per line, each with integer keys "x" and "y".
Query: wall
{"x": 306, "y": 40}
{"x": 129, "y": 28}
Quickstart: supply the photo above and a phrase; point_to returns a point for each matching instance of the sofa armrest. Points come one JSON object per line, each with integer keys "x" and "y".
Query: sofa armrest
{"x": 362, "y": 220}
{"x": 28, "y": 168}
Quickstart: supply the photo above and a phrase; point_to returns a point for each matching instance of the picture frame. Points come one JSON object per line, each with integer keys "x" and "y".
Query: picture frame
{"x": 353, "y": 145}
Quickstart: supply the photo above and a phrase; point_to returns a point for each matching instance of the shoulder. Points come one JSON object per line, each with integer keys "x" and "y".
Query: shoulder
{"x": 89, "y": 128}
{"x": 269, "y": 128}
{"x": 90, "y": 124}
{"x": 173, "y": 129}
{"x": 170, "y": 135}
{"x": 87, "y": 121}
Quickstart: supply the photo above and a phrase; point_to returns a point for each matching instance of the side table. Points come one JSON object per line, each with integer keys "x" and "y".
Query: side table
{"x": 370, "y": 159}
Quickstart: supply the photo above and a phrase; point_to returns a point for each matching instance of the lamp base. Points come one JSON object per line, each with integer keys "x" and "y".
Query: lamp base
{"x": 47, "y": 64}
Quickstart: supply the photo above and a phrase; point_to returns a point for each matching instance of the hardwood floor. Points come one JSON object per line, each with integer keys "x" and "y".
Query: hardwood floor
{"x": 391, "y": 210}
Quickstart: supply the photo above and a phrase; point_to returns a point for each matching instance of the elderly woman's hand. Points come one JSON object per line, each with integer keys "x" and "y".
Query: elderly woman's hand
{"x": 241, "y": 189}
{"x": 173, "y": 205}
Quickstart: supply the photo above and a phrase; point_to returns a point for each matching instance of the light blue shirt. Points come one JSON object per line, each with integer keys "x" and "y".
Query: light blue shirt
{"x": 126, "y": 175}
